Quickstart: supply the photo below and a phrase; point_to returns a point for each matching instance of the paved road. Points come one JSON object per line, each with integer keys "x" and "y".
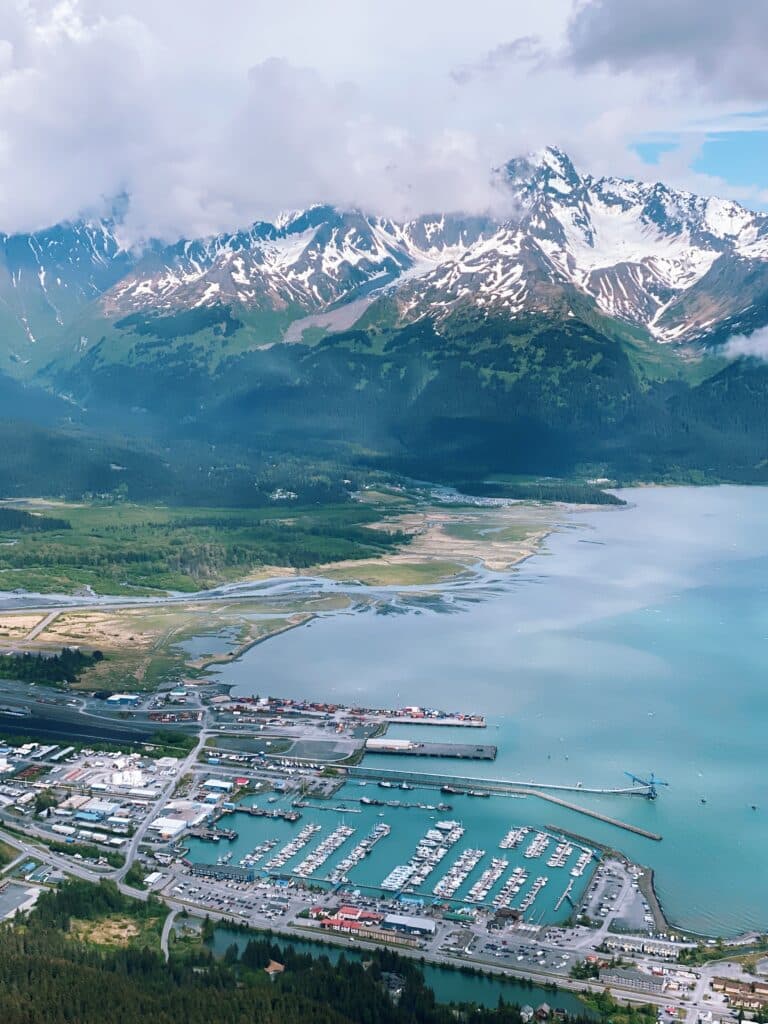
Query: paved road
{"x": 166, "y": 932}
{"x": 165, "y": 796}
{"x": 42, "y": 625}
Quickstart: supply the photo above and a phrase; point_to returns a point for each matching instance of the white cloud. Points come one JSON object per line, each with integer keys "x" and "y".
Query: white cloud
{"x": 211, "y": 117}
{"x": 754, "y": 345}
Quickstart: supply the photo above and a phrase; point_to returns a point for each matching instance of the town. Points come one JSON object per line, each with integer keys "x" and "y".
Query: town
{"x": 263, "y": 816}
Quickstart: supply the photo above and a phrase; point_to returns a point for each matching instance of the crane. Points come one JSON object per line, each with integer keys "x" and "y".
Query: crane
{"x": 649, "y": 784}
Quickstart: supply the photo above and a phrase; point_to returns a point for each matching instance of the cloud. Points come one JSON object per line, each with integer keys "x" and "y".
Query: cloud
{"x": 524, "y": 49}
{"x": 208, "y": 120}
{"x": 753, "y": 345}
{"x": 719, "y": 48}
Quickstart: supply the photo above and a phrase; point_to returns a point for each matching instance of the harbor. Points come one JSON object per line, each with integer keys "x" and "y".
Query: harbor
{"x": 480, "y": 854}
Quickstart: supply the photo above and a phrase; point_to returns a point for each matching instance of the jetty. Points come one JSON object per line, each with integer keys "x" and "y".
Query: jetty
{"x": 505, "y": 787}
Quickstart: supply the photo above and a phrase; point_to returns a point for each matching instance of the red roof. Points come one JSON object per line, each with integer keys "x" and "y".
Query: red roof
{"x": 353, "y": 912}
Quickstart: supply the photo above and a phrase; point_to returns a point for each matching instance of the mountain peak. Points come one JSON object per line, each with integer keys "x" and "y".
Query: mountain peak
{"x": 548, "y": 168}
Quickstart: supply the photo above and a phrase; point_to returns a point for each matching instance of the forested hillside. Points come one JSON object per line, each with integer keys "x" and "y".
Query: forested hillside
{"x": 48, "y": 974}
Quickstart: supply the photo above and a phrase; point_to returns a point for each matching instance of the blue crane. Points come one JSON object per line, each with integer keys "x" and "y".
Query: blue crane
{"x": 649, "y": 784}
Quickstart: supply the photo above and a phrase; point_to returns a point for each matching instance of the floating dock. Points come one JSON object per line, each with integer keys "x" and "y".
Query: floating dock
{"x": 260, "y": 812}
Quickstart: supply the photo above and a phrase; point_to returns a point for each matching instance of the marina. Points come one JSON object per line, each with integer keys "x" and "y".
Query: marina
{"x": 511, "y": 888}
{"x": 431, "y": 849}
{"x": 315, "y": 860}
{"x": 449, "y": 857}
{"x": 451, "y": 882}
{"x": 363, "y": 849}
{"x": 292, "y": 848}
{"x": 479, "y": 891}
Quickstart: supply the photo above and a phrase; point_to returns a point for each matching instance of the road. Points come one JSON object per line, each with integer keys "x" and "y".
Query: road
{"x": 167, "y": 932}
{"x": 165, "y": 796}
{"x": 42, "y": 625}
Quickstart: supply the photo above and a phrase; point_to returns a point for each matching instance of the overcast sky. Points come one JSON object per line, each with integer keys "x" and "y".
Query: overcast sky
{"x": 209, "y": 115}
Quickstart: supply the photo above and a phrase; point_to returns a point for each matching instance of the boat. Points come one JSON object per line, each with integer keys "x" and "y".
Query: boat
{"x": 477, "y": 792}
{"x": 385, "y": 785}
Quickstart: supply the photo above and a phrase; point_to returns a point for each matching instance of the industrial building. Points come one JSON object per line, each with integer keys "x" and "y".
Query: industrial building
{"x": 224, "y": 872}
{"x": 628, "y": 977}
{"x": 409, "y": 925}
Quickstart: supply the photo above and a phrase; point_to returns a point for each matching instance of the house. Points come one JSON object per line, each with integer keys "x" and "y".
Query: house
{"x": 543, "y": 1012}
{"x": 274, "y": 968}
{"x": 526, "y": 1014}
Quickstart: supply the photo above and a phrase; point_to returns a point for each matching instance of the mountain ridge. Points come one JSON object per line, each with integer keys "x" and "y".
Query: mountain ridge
{"x": 672, "y": 264}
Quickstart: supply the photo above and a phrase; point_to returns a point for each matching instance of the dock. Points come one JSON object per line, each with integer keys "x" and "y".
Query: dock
{"x": 566, "y": 895}
{"x": 416, "y": 748}
{"x": 491, "y": 785}
{"x": 212, "y": 835}
{"x": 501, "y": 787}
{"x": 466, "y": 721}
{"x": 260, "y": 812}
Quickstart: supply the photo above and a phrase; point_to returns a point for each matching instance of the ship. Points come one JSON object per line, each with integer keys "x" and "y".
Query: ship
{"x": 452, "y": 790}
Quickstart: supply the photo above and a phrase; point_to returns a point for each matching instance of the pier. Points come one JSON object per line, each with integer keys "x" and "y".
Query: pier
{"x": 415, "y": 748}
{"x": 501, "y": 786}
{"x": 566, "y": 895}
{"x": 467, "y": 721}
{"x": 327, "y": 807}
{"x": 260, "y": 812}
{"x": 491, "y": 785}
{"x": 212, "y": 835}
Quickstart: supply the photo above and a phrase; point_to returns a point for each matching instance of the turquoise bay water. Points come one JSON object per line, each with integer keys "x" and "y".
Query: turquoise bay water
{"x": 637, "y": 641}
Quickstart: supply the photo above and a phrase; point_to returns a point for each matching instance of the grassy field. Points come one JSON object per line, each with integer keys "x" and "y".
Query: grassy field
{"x": 129, "y": 549}
{"x": 378, "y": 574}
{"x": 120, "y": 930}
{"x": 145, "y": 646}
{"x": 482, "y": 530}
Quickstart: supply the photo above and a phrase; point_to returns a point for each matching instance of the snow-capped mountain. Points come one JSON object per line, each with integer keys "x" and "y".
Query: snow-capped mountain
{"x": 309, "y": 260}
{"x": 48, "y": 277}
{"x": 638, "y": 250}
{"x": 675, "y": 264}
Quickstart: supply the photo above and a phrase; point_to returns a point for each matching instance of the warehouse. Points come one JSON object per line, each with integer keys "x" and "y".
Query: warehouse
{"x": 218, "y": 785}
{"x": 409, "y": 925}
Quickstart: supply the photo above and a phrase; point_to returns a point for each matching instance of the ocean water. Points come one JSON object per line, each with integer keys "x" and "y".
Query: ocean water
{"x": 636, "y": 641}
